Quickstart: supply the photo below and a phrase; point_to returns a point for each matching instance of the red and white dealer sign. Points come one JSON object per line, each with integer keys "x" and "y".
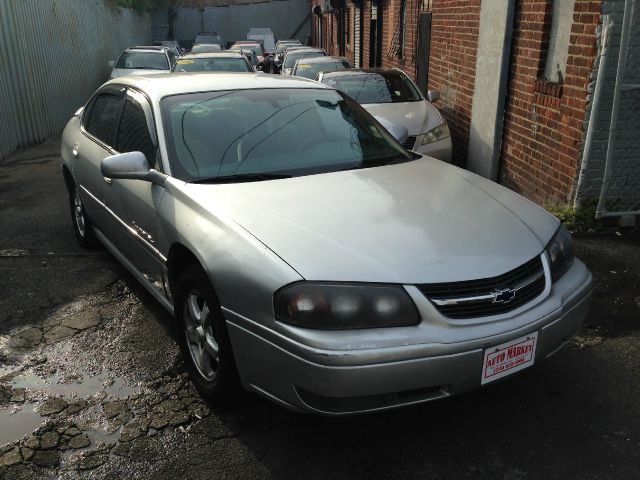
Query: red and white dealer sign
{"x": 508, "y": 358}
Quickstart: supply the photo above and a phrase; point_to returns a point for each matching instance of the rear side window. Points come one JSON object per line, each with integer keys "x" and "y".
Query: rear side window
{"x": 103, "y": 118}
{"x": 133, "y": 134}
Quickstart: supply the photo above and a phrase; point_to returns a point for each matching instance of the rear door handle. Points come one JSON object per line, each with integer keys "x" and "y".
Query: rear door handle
{"x": 74, "y": 151}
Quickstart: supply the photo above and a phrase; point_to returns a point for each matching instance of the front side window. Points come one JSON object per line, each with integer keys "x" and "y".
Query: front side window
{"x": 227, "y": 135}
{"x": 390, "y": 87}
{"x": 143, "y": 61}
{"x": 103, "y": 117}
{"x": 214, "y": 64}
{"x": 133, "y": 134}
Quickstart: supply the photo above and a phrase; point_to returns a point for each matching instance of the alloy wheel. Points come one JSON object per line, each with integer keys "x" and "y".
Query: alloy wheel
{"x": 203, "y": 347}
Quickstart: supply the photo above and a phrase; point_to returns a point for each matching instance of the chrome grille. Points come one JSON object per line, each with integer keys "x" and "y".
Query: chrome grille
{"x": 484, "y": 297}
{"x": 409, "y": 143}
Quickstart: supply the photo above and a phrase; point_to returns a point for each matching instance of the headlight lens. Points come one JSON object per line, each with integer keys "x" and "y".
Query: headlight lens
{"x": 560, "y": 252}
{"x": 435, "y": 134}
{"x": 345, "y": 306}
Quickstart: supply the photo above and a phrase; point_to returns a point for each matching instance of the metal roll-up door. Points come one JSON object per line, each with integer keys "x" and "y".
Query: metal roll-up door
{"x": 357, "y": 36}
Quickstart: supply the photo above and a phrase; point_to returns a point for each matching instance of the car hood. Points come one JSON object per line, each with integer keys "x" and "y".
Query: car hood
{"x": 418, "y": 117}
{"x": 417, "y": 222}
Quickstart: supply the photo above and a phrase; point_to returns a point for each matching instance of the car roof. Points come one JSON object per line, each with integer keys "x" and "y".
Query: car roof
{"x": 323, "y": 59}
{"x": 160, "y": 85}
{"x": 246, "y": 42}
{"x": 224, "y": 54}
{"x": 306, "y": 49}
{"x": 155, "y": 48}
{"x": 361, "y": 71}
{"x": 260, "y": 31}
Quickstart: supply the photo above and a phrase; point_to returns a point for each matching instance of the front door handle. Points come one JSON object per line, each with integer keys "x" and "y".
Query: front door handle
{"x": 74, "y": 151}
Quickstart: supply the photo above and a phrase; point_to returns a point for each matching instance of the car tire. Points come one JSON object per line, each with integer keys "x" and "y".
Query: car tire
{"x": 81, "y": 223}
{"x": 204, "y": 339}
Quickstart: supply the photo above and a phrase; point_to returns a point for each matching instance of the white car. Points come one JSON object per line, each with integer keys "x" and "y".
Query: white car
{"x": 393, "y": 98}
{"x": 143, "y": 60}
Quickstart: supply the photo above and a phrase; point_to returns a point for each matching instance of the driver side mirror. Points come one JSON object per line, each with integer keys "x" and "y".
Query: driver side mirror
{"x": 433, "y": 95}
{"x": 111, "y": 63}
{"x": 130, "y": 166}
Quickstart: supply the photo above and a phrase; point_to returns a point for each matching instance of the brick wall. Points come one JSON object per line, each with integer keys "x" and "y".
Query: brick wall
{"x": 452, "y": 66}
{"x": 454, "y": 40}
{"x": 544, "y": 122}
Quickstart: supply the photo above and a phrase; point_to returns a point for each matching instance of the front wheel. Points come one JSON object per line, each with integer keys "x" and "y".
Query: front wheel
{"x": 205, "y": 341}
{"x": 81, "y": 223}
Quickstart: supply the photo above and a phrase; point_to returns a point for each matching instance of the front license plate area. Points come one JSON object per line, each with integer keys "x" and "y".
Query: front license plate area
{"x": 508, "y": 357}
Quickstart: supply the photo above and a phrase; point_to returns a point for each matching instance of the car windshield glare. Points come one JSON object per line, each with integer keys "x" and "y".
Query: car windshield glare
{"x": 213, "y": 64}
{"x": 206, "y": 48}
{"x": 257, "y": 51}
{"x": 272, "y": 133}
{"x": 311, "y": 70}
{"x": 291, "y": 58}
{"x": 143, "y": 61}
{"x": 391, "y": 87}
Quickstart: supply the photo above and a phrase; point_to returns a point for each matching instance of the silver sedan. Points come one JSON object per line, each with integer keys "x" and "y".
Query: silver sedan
{"x": 390, "y": 95}
{"x": 306, "y": 253}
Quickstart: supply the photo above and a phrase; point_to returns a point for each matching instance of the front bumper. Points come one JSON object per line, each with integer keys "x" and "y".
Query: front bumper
{"x": 304, "y": 377}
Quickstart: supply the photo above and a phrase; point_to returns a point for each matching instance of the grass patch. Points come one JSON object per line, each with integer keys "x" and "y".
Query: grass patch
{"x": 581, "y": 219}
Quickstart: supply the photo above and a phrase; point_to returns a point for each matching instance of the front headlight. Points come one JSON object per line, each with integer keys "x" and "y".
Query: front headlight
{"x": 560, "y": 252}
{"x": 435, "y": 134}
{"x": 345, "y": 306}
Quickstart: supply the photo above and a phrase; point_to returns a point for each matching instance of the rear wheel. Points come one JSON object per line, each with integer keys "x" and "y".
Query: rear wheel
{"x": 81, "y": 223}
{"x": 205, "y": 342}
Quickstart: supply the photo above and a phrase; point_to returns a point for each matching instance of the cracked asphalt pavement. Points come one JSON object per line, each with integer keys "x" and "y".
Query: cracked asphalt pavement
{"x": 92, "y": 384}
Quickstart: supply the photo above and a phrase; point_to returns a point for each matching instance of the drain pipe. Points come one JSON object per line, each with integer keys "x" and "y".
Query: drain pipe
{"x": 607, "y": 24}
{"x": 622, "y": 56}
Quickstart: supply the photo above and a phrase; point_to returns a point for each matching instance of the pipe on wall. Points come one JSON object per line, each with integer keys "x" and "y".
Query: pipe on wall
{"x": 607, "y": 24}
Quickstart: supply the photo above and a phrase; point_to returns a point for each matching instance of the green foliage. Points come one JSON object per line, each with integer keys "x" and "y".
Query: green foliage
{"x": 581, "y": 219}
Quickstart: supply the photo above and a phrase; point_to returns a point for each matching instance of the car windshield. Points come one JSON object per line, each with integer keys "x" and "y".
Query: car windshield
{"x": 256, "y": 49}
{"x": 206, "y": 48}
{"x": 208, "y": 39}
{"x": 388, "y": 87}
{"x": 311, "y": 70}
{"x": 143, "y": 61}
{"x": 283, "y": 46}
{"x": 272, "y": 133}
{"x": 290, "y": 59}
{"x": 212, "y": 64}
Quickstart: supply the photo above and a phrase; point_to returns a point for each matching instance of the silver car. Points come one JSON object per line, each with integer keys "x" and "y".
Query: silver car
{"x": 293, "y": 54}
{"x": 389, "y": 94}
{"x": 226, "y": 61}
{"x": 339, "y": 274}
{"x": 143, "y": 60}
{"x": 311, "y": 67}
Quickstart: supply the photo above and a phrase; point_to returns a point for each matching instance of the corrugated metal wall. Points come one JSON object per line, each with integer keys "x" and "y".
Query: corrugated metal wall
{"x": 234, "y": 21}
{"x": 53, "y": 55}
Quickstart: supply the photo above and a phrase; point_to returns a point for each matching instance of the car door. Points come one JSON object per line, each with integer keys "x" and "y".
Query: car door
{"x": 98, "y": 135}
{"x": 133, "y": 203}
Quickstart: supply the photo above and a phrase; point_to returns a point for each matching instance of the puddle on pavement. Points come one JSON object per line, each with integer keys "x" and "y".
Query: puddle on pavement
{"x": 15, "y": 424}
{"x": 75, "y": 387}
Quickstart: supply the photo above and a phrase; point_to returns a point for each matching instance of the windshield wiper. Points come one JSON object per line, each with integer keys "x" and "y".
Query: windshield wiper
{"x": 241, "y": 177}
